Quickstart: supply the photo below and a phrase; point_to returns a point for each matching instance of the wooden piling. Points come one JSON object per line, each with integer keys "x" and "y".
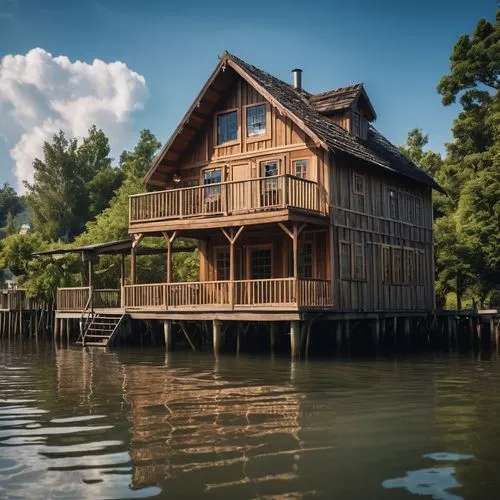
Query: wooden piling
{"x": 167, "y": 334}
{"x": 295, "y": 339}
{"x": 217, "y": 338}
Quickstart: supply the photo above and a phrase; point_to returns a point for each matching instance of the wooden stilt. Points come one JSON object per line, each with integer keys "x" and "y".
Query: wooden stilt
{"x": 272, "y": 334}
{"x": 167, "y": 334}
{"x": 376, "y": 333}
{"x": 216, "y": 328}
{"x": 479, "y": 332}
{"x": 338, "y": 335}
{"x": 186, "y": 334}
{"x": 295, "y": 339}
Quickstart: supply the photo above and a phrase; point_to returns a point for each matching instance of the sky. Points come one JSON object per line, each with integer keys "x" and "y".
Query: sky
{"x": 127, "y": 65}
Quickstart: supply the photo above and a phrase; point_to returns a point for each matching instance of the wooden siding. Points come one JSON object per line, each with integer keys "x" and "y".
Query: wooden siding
{"x": 203, "y": 152}
{"x": 368, "y": 223}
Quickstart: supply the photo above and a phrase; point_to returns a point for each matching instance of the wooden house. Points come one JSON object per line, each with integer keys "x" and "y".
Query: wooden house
{"x": 300, "y": 207}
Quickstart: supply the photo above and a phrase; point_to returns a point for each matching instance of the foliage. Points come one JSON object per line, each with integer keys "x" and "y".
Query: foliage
{"x": 467, "y": 219}
{"x": 72, "y": 184}
{"x": 10, "y": 226}
{"x": 10, "y": 202}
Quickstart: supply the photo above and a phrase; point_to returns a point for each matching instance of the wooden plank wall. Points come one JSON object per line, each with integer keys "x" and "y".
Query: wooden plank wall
{"x": 203, "y": 150}
{"x": 374, "y": 229}
{"x": 281, "y": 247}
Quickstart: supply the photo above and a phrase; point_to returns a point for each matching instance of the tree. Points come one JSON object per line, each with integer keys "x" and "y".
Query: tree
{"x": 136, "y": 163}
{"x": 10, "y": 226}
{"x": 9, "y": 202}
{"x": 467, "y": 230}
{"x": 72, "y": 184}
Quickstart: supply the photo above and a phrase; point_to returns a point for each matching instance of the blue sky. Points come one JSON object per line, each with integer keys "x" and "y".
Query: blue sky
{"x": 399, "y": 49}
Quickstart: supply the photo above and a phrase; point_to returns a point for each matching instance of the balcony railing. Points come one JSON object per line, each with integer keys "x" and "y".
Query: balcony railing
{"x": 228, "y": 295}
{"x": 77, "y": 298}
{"x": 227, "y": 198}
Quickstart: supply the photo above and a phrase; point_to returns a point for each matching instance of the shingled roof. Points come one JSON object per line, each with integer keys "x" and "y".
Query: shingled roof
{"x": 376, "y": 150}
{"x": 301, "y": 107}
{"x": 340, "y": 99}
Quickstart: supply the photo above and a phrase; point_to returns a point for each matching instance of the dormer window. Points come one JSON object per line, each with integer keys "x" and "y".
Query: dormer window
{"x": 359, "y": 125}
{"x": 256, "y": 120}
{"x": 227, "y": 127}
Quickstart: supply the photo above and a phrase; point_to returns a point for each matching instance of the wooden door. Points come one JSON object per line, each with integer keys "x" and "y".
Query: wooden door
{"x": 271, "y": 191}
{"x": 241, "y": 190}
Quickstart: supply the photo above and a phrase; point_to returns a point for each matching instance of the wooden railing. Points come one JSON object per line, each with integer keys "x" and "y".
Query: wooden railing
{"x": 76, "y": 298}
{"x": 72, "y": 299}
{"x": 264, "y": 193}
{"x": 314, "y": 293}
{"x": 224, "y": 294}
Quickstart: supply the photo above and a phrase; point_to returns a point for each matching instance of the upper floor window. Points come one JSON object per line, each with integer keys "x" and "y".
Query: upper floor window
{"x": 256, "y": 120}
{"x": 392, "y": 203}
{"x": 212, "y": 176}
{"x": 227, "y": 127}
{"x": 300, "y": 168}
{"x": 359, "y": 125}
{"x": 358, "y": 188}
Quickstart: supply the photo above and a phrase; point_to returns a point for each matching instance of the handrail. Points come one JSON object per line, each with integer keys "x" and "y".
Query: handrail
{"x": 229, "y": 197}
{"x": 220, "y": 294}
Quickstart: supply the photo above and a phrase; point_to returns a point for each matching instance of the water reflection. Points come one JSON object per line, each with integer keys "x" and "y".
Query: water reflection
{"x": 95, "y": 424}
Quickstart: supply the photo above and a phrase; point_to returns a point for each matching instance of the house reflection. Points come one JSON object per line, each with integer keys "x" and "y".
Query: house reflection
{"x": 215, "y": 431}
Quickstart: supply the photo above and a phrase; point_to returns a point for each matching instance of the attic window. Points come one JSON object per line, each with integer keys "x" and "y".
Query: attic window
{"x": 227, "y": 127}
{"x": 256, "y": 120}
{"x": 359, "y": 125}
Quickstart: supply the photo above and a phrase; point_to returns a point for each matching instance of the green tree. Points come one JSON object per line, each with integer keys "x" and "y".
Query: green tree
{"x": 9, "y": 202}
{"x": 467, "y": 232}
{"x": 137, "y": 162}
{"x": 10, "y": 226}
{"x": 72, "y": 184}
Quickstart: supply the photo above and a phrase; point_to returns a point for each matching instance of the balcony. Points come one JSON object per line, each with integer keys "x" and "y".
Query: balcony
{"x": 261, "y": 195}
{"x": 77, "y": 299}
{"x": 278, "y": 293}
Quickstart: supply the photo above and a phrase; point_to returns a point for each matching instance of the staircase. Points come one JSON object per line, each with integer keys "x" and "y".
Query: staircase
{"x": 102, "y": 329}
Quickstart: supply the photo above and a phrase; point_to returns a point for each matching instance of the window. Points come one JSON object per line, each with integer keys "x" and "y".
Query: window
{"x": 270, "y": 195}
{"x": 222, "y": 265}
{"x": 345, "y": 260}
{"x": 392, "y": 203}
{"x": 260, "y": 263}
{"x": 418, "y": 210}
{"x": 305, "y": 260}
{"x": 355, "y": 123}
{"x": 359, "y": 262}
{"x": 256, "y": 120}
{"x": 300, "y": 168}
{"x": 212, "y": 176}
{"x": 397, "y": 265}
{"x": 358, "y": 188}
{"x": 387, "y": 264}
{"x": 227, "y": 127}
{"x": 410, "y": 269}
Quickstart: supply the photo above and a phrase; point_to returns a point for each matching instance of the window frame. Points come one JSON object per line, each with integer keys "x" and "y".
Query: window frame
{"x": 260, "y": 137}
{"x": 212, "y": 190}
{"x": 396, "y": 203}
{"x": 359, "y": 196}
{"x": 216, "y": 128}
{"x": 294, "y": 168}
{"x": 248, "y": 259}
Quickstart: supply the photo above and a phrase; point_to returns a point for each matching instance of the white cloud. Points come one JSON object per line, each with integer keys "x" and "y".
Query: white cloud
{"x": 40, "y": 94}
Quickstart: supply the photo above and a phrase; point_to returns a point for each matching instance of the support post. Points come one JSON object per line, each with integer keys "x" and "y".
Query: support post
{"x": 133, "y": 268}
{"x": 168, "y": 334}
{"x": 216, "y": 327}
{"x": 272, "y": 334}
{"x": 376, "y": 333}
{"x": 295, "y": 339}
{"x": 232, "y": 235}
{"x": 407, "y": 331}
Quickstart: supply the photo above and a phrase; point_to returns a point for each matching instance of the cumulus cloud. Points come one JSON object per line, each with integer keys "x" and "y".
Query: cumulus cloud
{"x": 41, "y": 94}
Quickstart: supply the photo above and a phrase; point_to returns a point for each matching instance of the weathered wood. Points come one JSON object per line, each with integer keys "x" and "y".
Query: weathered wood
{"x": 295, "y": 339}
{"x": 216, "y": 329}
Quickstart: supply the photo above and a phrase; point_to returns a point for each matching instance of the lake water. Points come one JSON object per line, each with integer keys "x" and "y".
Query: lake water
{"x": 138, "y": 424}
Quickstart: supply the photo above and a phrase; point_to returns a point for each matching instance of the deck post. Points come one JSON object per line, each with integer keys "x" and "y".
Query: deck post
{"x": 217, "y": 337}
{"x": 232, "y": 235}
{"x": 133, "y": 266}
{"x": 168, "y": 334}
{"x": 295, "y": 339}
{"x": 272, "y": 335}
{"x": 376, "y": 333}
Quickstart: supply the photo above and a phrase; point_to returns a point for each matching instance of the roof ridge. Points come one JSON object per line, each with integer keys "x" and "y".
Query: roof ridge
{"x": 353, "y": 86}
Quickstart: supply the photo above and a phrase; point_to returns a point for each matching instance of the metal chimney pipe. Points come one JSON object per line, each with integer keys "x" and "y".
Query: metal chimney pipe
{"x": 297, "y": 78}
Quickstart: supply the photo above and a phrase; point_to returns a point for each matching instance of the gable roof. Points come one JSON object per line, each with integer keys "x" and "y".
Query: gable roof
{"x": 376, "y": 150}
{"x": 341, "y": 99}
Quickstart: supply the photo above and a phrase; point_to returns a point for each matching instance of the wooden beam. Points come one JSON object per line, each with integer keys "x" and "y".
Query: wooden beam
{"x": 170, "y": 239}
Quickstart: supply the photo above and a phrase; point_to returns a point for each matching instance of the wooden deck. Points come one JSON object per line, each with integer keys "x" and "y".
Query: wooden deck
{"x": 200, "y": 298}
{"x": 264, "y": 195}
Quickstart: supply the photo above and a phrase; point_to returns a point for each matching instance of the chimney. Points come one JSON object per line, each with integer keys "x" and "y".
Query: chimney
{"x": 297, "y": 78}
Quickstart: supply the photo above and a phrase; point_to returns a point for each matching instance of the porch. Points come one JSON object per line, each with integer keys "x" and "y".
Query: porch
{"x": 233, "y": 198}
{"x": 240, "y": 295}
